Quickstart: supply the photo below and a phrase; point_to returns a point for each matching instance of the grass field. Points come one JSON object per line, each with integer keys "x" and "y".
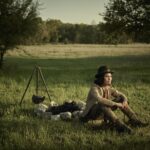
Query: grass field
{"x": 69, "y": 72}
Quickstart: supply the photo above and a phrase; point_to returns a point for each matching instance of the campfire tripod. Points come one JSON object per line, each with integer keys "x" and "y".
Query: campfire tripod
{"x": 38, "y": 72}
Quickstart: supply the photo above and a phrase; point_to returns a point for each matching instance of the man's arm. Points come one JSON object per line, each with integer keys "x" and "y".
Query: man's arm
{"x": 119, "y": 97}
{"x": 103, "y": 101}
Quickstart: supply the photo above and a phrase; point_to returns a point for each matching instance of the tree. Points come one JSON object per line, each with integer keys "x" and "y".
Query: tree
{"x": 52, "y": 29}
{"x": 18, "y": 19}
{"x": 67, "y": 33}
{"x": 128, "y": 15}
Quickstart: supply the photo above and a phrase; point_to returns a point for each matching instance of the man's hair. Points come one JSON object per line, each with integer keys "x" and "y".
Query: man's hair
{"x": 99, "y": 81}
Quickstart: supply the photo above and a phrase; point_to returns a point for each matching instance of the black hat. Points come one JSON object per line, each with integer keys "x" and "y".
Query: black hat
{"x": 102, "y": 70}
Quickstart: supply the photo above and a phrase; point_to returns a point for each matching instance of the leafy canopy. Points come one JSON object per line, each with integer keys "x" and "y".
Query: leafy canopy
{"x": 128, "y": 15}
{"x": 18, "y": 19}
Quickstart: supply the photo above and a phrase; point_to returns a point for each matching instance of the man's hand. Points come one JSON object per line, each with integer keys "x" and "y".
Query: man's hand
{"x": 125, "y": 104}
{"x": 119, "y": 105}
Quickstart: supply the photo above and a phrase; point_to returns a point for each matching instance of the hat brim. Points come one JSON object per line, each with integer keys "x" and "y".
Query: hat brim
{"x": 101, "y": 74}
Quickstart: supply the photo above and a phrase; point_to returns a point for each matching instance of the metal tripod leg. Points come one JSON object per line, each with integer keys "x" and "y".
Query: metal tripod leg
{"x": 42, "y": 77}
{"x": 37, "y": 80}
{"x": 27, "y": 86}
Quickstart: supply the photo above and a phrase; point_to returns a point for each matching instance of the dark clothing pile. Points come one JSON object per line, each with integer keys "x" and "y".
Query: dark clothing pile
{"x": 65, "y": 107}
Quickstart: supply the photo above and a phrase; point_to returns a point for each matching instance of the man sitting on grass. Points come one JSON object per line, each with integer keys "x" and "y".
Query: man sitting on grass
{"x": 99, "y": 102}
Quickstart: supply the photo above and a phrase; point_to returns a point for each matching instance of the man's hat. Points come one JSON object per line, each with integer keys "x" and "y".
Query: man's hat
{"x": 102, "y": 70}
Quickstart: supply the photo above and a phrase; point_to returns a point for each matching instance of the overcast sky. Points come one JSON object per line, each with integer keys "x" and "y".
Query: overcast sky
{"x": 73, "y": 11}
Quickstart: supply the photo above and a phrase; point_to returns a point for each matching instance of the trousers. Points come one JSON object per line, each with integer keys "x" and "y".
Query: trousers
{"x": 107, "y": 112}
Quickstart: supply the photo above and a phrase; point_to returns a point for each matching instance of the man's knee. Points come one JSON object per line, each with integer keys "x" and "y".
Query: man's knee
{"x": 109, "y": 114}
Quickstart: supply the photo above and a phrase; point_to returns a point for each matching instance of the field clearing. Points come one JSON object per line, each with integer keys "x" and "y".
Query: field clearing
{"x": 69, "y": 72}
{"x": 79, "y": 51}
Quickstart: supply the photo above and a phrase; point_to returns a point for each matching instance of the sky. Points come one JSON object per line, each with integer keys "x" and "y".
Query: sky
{"x": 73, "y": 11}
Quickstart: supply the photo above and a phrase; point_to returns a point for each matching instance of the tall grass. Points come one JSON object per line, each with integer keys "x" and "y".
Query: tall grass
{"x": 69, "y": 72}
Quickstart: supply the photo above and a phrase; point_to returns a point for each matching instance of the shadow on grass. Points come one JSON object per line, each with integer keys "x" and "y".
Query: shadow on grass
{"x": 81, "y": 70}
{"x": 7, "y": 108}
{"x": 14, "y": 110}
{"x": 26, "y": 112}
{"x": 59, "y": 139}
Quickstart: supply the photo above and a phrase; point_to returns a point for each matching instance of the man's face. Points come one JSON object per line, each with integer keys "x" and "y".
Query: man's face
{"x": 107, "y": 79}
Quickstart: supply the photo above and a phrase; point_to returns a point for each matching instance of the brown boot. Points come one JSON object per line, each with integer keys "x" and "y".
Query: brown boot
{"x": 137, "y": 123}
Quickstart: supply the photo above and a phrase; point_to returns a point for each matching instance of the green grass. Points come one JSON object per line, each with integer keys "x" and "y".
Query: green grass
{"x": 69, "y": 72}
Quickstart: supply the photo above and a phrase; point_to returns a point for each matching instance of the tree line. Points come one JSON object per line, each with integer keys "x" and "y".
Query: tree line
{"x": 126, "y": 21}
{"x": 55, "y": 31}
